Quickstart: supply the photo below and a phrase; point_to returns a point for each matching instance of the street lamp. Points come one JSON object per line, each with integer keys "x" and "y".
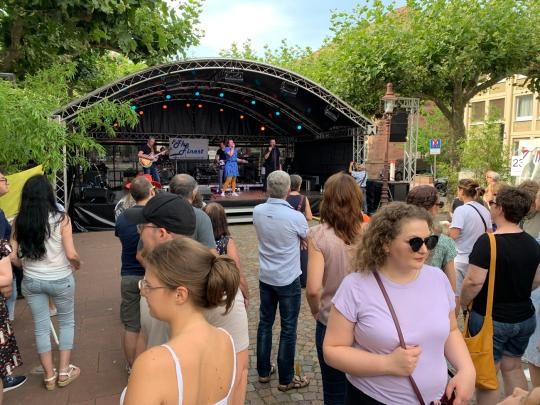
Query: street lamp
{"x": 389, "y": 100}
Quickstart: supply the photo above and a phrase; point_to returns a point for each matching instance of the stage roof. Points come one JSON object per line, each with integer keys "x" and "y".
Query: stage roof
{"x": 217, "y": 98}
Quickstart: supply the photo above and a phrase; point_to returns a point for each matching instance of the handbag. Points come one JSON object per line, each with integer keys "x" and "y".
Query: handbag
{"x": 481, "y": 345}
{"x": 444, "y": 400}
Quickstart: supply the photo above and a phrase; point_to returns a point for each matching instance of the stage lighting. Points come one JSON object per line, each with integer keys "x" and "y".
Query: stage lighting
{"x": 164, "y": 106}
{"x": 133, "y": 107}
{"x": 222, "y": 94}
{"x": 289, "y": 89}
{"x": 331, "y": 113}
{"x": 263, "y": 128}
{"x": 234, "y": 76}
{"x": 197, "y": 93}
{"x": 168, "y": 97}
{"x": 200, "y": 105}
{"x": 299, "y": 127}
{"x": 253, "y": 102}
{"x": 141, "y": 112}
{"x": 242, "y": 116}
{"x": 277, "y": 114}
{"x": 221, "y": 110}
{"x": 188, "y": 105}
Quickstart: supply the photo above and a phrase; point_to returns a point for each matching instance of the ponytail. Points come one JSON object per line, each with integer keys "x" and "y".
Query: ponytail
{"x": 223, "y": 282}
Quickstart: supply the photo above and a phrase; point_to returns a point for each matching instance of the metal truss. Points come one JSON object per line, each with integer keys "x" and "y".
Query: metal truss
{"x": 60, "y": 181}
{"x": 412, "y": 106}
{"x": 359, "y": 145}
{"x": 122, "y": 88}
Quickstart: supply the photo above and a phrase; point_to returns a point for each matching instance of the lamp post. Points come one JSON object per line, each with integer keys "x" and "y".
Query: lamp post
{"x": 389, "y": 100}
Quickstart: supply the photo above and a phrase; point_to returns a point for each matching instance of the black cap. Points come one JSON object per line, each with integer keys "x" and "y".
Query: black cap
{"x": 166, "y": 210}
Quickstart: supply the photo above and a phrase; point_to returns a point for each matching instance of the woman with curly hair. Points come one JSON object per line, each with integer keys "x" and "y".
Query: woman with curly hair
{"x": 43, "y": 242}
{"x": 362, "y": 338}
{"x": 330, "y": 247}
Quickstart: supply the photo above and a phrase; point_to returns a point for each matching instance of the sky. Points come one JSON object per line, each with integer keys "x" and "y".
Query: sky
{"x": 300, "y": 22}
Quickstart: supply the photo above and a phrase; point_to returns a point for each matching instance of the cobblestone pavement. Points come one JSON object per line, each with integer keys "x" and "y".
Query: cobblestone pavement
{"x": 97, "y": 336}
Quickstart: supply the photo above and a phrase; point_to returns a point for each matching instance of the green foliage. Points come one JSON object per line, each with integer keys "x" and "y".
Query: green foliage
{"x": 36, "y": 33}
{"x": 28, "y": 133}
{"x": 483, "y": 150}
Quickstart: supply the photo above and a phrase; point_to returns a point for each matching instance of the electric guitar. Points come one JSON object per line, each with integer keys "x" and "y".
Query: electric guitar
{"x": 149, "y": 160}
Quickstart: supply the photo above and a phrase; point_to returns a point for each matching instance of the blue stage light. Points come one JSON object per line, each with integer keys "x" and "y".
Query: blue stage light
{"x": 197, "y": 93}
{"x": 168, "y": 97}
{"x": 278, "y": 113}
{"x": 133, "y": 107}
{"x": 222, "y": 94}
{"x": 253, "y": 102}
{"x": 299, "y": 127}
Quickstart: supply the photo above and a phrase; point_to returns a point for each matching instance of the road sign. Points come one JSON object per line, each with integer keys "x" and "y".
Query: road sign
{"x": 435, "y": 146}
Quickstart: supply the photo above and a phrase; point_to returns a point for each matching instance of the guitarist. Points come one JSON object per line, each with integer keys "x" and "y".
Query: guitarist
{"x": 147, "y": 152}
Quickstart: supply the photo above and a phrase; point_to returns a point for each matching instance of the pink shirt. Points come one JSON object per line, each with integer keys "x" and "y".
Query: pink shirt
{"x": 422, "y": 308}
{"x": 337, "y": 261}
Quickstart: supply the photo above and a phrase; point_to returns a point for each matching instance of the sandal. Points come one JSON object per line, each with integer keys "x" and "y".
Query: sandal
{"x": 72, "y": 373}
{"x": 265, "y": 380}
{"x": 50, "y": 383}
{"x": 297, "y": 382}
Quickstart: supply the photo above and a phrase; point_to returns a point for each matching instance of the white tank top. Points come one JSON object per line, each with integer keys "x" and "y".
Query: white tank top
{"x": 180, "y": 380}
{"x": 54, "y": 265}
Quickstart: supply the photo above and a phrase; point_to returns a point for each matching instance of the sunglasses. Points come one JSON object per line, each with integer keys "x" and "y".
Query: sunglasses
{"x": 430, "y": 242}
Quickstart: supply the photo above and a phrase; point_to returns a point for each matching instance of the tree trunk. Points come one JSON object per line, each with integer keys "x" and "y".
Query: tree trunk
{"x": 457, "y": 133}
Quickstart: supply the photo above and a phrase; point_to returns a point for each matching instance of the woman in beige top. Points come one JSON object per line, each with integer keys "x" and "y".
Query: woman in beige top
{"x": 329, "y": 249}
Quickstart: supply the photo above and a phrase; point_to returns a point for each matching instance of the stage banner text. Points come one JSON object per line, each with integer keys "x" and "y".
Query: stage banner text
{"x": 188, "y": 149}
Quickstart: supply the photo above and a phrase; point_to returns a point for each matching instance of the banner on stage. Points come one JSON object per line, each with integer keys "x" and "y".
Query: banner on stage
{"x": 188, "y": 149}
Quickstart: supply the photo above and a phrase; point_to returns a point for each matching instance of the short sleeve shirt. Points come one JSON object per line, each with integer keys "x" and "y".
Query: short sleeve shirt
{"x": 444, "y": 252}
{"x": 468, "y": 220}
{"x": 518, "y": 256}
{"x": 422, "y": 308}
{"x": 204, "y": 232}
{"x": 129, "y": 238}
{"x": 360, "y": 177}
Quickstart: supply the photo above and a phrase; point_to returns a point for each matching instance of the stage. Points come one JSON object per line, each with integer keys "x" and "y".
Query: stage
{"x": 96, "y": 216}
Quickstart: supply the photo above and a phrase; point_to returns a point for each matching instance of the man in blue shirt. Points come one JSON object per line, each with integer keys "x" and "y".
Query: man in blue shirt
{"x": 280, "y": 230}
{"x": 132, "y": 271}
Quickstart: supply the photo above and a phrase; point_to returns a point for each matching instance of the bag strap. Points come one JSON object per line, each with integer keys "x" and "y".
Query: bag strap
{"x": 492, "y": 267}
{"x": 481, "y": 217}
{"x": 400, "y": 334}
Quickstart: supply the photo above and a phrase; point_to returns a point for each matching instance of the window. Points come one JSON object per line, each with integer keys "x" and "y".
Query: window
{"x": 524, "y": 107}
{"x": 478, "y": 110}
{"x": 496, "y": 108}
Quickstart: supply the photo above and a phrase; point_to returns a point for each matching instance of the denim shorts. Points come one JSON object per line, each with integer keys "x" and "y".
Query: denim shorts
{"x": 509, "y": 339}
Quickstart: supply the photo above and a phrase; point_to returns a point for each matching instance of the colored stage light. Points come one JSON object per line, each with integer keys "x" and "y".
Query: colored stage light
{"x": 278, "y": 113}
{"x": 188, "y": 105}
{"x": 197, "y": 93}
{"x": 200, "y": 105}
{"x": 253, "y": 102}
{"x": 222, "y": 94}
{"x": 168, "y": 97}
{"x": 242, "y": 116}
{"x": 263, "y": 128}
{"x": 221, "y": 110}
{"x": 141, "y": 112}
{"x": 164, "y": 106}
{"x": 299, "y": 127}
{"x": 133, "y": 107}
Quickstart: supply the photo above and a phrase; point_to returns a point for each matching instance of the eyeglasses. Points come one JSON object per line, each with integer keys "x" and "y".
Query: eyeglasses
{"x": 143, "y": 285}
{"x": 141, "y": 227}
{"x": 430, "y": 242}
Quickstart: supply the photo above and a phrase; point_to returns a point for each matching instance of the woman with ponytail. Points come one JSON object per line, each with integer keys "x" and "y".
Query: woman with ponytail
{"x": 197, "y": 364}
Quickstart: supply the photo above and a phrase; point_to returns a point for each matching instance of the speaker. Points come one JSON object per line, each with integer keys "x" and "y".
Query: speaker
{"x": 398, "y": 191}
{"x": 398, "y": 126}
{"x": 97, "y": 195}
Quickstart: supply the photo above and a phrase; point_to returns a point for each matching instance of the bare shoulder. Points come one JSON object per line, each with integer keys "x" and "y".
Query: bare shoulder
{"x": 151, "y": 360}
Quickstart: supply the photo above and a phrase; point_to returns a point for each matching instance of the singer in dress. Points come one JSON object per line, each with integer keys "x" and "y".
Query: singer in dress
{"x": 231, "y": 168}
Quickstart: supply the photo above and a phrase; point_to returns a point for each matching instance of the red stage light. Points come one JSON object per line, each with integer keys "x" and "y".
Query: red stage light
{"x": 141, "y": 112}
{"x": 242, "y": 116}
{"x": 221, "y": 110}
{"x": 263, "y": 128}
{"x": 200, "y": 105}
{"x": 188, "y": 105}
{"x": 164, "y": 106}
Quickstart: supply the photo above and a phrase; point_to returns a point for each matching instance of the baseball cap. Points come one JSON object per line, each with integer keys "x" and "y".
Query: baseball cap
{"x": 165, "y": 210}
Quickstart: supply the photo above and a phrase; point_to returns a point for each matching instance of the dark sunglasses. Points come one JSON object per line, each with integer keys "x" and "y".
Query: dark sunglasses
{"x": 430, "y": 241}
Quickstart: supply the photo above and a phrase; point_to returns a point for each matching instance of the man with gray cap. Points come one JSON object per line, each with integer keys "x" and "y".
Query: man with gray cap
{"x": 186, "y": 186}
{"x": 165, "y": 217}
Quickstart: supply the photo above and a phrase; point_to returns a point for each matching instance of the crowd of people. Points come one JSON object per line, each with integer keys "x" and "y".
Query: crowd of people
{"x": 385, "y": 291}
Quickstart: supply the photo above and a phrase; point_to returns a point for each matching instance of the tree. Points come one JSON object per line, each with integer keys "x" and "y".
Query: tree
{"x": 29, "y": 133}
{"x": 36, "y": 33}
{"x": 446, "y": 51}
{"x": 484, "y": 150}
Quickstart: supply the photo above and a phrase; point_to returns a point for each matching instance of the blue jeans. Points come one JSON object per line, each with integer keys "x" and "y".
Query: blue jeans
{"x": 334, "y": 381}
{"x": 153, "y": 172}
{"x": 10, "y": 302}
{"x": 288, "y": 297}
{"x": 509, "y": 339}
{"x": 221, "y": 170}
{"x": 62, "y": 292}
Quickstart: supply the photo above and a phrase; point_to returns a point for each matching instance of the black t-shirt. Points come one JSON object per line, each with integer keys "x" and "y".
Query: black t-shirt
{"x": 147, "y": 150}
{"x": 272, "y": 163}
{"x": 222, "y": 154}
{"x": 129, "y": 237}
{"x": 518, "y": 256}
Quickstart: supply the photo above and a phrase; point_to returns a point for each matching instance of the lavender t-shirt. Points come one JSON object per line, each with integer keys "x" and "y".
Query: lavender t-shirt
{"x": 422, "y": 308}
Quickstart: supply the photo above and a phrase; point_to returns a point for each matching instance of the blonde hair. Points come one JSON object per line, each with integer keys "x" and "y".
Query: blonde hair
{"x": 211, "y": 280}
